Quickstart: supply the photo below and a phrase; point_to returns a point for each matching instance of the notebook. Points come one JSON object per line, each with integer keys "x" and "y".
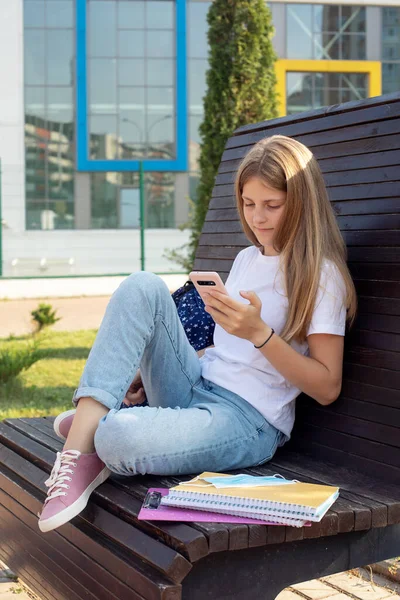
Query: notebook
{"x": 285, "y": 504}
{"x": 153, "y": 510}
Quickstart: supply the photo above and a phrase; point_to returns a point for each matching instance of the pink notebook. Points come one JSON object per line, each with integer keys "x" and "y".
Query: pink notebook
{"x": 169, "y": 513}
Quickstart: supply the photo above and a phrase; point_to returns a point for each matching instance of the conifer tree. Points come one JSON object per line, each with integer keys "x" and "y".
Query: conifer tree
{"x": 241, "y": 87}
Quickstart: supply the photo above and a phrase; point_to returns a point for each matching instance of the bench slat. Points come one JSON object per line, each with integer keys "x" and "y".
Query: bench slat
{"x": 217, "y": 535}
{"x": 183, "y": 538}
{"x": 344, "y": 509}
{"x": 220, "y": 536}
{"x": 166, "y": 560}
{"x": 330, "y": 164}
{"x": 354, "y": 425}
{"x": 139, "y": 576}
{"x": 384, "y": 359}
{"x": 323, "y": 123}
{"x": 63, "y": 555}
{"x": 359, "y": 483}
{"x": 368, "y": 411}
{"x": 374, "y": 452}
{"x": 40, "y": 565}
{"x": 369, "y": 394}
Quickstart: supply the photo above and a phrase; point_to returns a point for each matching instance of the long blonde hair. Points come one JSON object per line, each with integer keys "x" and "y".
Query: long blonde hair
{"x": 308, "y": 232}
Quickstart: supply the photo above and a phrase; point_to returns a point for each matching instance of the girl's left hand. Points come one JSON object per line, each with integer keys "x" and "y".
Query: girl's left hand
{"x": 242, "y": 320}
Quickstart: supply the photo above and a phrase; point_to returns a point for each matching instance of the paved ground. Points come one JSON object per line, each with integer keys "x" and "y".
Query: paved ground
{"x": 75, "y": 313}
{"x": 85, "y": 312}
{"x": 351, "y": 585}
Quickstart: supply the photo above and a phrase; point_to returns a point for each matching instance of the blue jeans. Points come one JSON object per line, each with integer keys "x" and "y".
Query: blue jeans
{"x": 191, "y": 424}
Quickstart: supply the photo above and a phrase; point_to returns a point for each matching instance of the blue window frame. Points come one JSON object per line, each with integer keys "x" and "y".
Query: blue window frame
{"x": 83, "y": 162}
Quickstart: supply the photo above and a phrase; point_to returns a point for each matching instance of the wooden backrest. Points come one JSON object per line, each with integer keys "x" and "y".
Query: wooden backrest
{"x": 358, "y": 148}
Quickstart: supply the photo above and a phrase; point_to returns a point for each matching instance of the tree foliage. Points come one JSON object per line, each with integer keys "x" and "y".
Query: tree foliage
{"x": 241, "y": 87}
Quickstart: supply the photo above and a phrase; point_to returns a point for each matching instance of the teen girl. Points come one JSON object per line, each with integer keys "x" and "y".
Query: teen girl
{"x": 278, "y": 333}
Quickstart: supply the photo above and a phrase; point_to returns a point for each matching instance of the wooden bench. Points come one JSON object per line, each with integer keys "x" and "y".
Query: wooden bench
{"x": 106, "y": 553}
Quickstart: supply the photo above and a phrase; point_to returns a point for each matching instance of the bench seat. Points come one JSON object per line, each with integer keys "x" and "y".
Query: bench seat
{"x": 106, "y": 553}
{"x": 107, "y": 550}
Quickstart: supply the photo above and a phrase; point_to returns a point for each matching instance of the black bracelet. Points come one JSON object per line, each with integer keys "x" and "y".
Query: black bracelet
{"x": 267, "y": 340}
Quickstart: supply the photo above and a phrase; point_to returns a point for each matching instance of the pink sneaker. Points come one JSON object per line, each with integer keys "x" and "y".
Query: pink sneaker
{"x": 72, "y": 480}
{"x": 62, "y": 423}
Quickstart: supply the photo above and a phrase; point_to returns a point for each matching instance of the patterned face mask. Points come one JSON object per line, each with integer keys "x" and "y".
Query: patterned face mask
{"x": 241, "y": 481}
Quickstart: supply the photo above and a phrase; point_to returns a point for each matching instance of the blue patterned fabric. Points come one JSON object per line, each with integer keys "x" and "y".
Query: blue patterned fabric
{"x": 197, "y": 323}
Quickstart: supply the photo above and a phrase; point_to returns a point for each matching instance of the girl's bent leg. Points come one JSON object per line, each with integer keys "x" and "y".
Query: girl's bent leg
{"x": 84, "y": 425}
{"x": 219, "y": 431}
{"x": 140, "y": 325}
{"x": 140, "y": 328}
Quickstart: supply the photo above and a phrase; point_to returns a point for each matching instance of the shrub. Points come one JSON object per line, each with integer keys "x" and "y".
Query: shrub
{"x": 14, "y": 360}
{"x": 44, "y": 316}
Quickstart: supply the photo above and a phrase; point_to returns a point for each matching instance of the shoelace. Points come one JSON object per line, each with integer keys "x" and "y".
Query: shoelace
{"x": 60, "y": 474}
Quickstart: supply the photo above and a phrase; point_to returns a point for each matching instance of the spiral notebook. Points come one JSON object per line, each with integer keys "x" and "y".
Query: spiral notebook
{"x": 153, "y": 510}
{"x": 287, "y": 504}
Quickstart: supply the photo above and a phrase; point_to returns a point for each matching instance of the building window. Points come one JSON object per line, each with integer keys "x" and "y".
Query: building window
{"x": 307, "y": 91}
{"x": 325, "y": 32}
{"x": 49, "y": 110}
{"x": 197, "y": 69}
{"x": 115, "y": 200}
{"x": 390, "y": 49}
{"x": 131, "y": 59}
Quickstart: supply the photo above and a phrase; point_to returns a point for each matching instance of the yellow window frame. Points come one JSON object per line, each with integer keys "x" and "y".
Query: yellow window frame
{"x": 286, "y": 65}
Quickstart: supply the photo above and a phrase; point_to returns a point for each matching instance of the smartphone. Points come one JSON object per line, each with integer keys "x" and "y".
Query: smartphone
{"x": 206, "y": 280}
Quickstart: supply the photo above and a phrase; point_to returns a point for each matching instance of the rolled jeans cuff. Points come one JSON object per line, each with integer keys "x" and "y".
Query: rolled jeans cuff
{"x": 108, "y": 400}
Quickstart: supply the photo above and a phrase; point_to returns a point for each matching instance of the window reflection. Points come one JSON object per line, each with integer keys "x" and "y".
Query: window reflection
{"x": 307, "y": 91}
{"x": 132, "y": 89}
{"x": 132, "y": 124}
{"x": 390, "y": 49}
{"x": 102, "y": 24}
{"x": 59, "y": 56}
{"x": 103, "y": 137}
{"x": 59, "y": 13}
{"x": 34, "y": 63}
{"x": 131, "y": 71}
{"x": 160, "y": 44}
{"x": 197, "y": 29}
{"x": 160, "y": 200}
{"x": 390, "y": 77}
{"x": 197, "y": 68}
{"x": 326, "y": 32}
{"x": 49, "y": 128}
{"x": 60, "y": 104}
{"x": 34, "y": 13}
{"x": 131, "y": 43}
{"x": 160, "y": 15}
{"x": 391, "y": 33}
{"x": 104, "y": 189}
{"x": 113, "y": 205}
{"x": 131, "y": 15}
{"x": 160, "y": 72}
{"x": 102, "y": 85}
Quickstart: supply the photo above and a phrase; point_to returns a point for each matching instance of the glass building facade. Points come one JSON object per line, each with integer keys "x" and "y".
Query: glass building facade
{"x": 138, "y": 107}
{"x": 49, "y": 113}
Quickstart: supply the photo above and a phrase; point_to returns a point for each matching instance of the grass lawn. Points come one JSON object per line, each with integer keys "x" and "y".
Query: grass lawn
{"x": 46, "y": 388}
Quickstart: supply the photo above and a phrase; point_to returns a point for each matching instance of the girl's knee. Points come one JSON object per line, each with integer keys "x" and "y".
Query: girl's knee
{"x": 144, "y": 281}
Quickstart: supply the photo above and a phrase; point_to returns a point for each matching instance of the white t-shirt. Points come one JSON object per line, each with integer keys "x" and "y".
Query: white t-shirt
{"x": 236, "y": 365}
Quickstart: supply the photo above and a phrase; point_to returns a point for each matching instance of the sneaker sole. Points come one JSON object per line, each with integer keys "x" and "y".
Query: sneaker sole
{"x": 72, "y": 511}
{"x": 61, "y": 417}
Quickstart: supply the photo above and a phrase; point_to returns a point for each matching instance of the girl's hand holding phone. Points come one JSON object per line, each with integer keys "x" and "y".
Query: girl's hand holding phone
{"x": 242, "y": 320}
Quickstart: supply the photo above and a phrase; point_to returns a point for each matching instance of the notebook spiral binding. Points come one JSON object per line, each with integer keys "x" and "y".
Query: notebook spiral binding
{"x": 240, "y": 507}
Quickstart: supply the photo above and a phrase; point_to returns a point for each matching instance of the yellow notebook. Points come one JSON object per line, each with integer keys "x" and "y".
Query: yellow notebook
{"x": 299, "y": 501}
